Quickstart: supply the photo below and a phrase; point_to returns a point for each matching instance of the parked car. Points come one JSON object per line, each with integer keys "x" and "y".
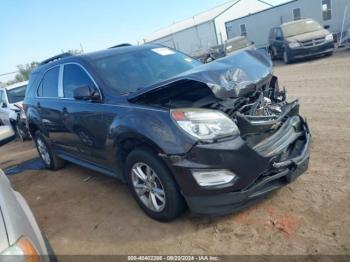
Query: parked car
{"x": 209, "y": 55}
{"x": 20, "y": 236}
{"x": 213, "y": 137}
{"x": 300, "y": 39}
{"x": 346, "y": 39}
{"x": 217, "y": 51}
{"x": 238, "y": 43}
{"x": 6, "y": 134}
{"x": 11, "y": 109}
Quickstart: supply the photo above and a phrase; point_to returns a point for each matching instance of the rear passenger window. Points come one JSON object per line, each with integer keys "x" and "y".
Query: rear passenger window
{"x": 49, "y": 84}
{"x": 73, "y": 77}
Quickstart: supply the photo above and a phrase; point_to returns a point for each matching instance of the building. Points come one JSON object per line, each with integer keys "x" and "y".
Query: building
{"x": 205, "y": 29}
{"x": 329, "y": 13}
{"x": 253, "y": 18}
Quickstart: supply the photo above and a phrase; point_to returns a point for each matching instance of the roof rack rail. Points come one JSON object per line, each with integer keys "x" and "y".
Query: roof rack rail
{"x": 121, "y": 45}
{"x": 55, "y": 58}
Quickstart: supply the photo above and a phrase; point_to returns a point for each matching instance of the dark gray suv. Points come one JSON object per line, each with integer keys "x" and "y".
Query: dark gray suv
{"x": 211, "y": 137}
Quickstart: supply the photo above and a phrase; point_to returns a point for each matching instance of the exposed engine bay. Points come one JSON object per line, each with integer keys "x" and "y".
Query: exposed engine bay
{"x": 259, "y": 112}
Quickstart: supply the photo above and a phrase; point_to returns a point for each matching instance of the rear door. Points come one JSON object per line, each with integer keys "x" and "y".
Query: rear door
{"x": 48, "y": 106}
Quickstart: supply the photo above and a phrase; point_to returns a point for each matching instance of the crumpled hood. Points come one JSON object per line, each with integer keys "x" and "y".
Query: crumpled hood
{"x": 230, "y": 76}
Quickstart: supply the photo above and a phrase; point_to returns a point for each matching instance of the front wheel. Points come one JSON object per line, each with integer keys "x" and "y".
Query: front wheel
{"x": 153, "y": 186}
{"x": 286, "y": 58}
{"x": 271, "y": 53}
{"x": 20, "y": 133}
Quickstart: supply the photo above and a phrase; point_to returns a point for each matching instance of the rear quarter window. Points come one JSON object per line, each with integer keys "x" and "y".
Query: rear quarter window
{"x": 49, "y": 84}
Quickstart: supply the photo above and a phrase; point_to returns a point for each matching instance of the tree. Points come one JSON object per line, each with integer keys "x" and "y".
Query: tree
{"x": 23, "y": 73}
{"x": 74, "y": 51}
{"x": 25, "y": 70}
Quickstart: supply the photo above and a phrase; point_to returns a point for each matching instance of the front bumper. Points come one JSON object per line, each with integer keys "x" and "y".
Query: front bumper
{"x": 226, "y": 203}
{"x": 259, "y": 173}
{"x": 305, "y": 52}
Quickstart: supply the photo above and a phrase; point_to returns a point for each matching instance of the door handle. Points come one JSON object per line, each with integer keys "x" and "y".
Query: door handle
{"x": 65, "y": 111}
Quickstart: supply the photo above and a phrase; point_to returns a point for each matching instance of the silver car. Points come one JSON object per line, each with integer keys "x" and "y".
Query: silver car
{"x": 20, "y": 235}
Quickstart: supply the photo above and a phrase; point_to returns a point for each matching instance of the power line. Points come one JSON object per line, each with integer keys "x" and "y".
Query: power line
{"x": 10, "y": 73}
{"x": 265, "y": 2}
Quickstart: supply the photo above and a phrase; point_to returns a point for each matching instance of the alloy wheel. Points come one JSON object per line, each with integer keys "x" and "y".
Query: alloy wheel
{"x": 43, "y": 151}
{"x": 148, "y": 187}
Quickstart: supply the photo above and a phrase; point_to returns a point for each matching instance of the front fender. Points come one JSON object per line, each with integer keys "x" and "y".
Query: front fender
{"x": 155, "y": 127}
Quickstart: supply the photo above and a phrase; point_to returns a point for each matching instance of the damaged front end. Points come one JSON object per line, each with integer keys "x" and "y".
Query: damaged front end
{"x": 272, "y": 148}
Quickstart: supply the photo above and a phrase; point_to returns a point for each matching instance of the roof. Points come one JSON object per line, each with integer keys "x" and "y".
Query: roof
{"x": 297, "y": 22}
{"x": 91, "y": 56}
{"x": 16, "y": 85}
{"x": 192, "y": 21}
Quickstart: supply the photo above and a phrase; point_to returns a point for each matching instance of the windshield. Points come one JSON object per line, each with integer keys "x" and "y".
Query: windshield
{"x": 17, "y": 94}
{"x": 129, "y": 72}
{"x": 300, "y": 28}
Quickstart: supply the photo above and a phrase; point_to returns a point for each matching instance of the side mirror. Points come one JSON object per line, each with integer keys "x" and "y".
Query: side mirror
{"x": 326, "y": 27}
{"x": 86, "y": 93}
{"x": 3, "y": 105}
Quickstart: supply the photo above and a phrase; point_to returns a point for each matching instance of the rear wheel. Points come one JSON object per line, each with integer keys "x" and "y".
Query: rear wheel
{"x": 20, "y": 133}
{"x": 153, "y": 186}
{"x": 46, "y": 153}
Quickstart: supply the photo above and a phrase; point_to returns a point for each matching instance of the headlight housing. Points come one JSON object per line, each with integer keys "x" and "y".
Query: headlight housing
{"x": 294, "y": 44}
{"x": 330, "y": 38}
{"x": 22, "y": 248}
{"x": 204, "y": 124}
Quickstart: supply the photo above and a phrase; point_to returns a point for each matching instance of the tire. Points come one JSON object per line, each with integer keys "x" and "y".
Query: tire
{"x": 286, "y": 58}
{"x": 46, "y": 153}
{"x": 19, "y": 133}
{"x": 330, "y": 53}
{"x": 51, "y": 253}
{"x": 162, "y": 186}
{"x": 272, "y": 56}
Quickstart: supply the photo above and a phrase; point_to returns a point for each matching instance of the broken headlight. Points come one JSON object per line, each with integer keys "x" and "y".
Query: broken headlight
{"x": 204, "y": 124}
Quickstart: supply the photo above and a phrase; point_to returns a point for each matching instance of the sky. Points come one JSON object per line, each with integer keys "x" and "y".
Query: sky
{"x": 37, "y": 29}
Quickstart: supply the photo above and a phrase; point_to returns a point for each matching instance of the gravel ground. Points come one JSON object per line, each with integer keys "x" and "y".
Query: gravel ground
{"x": 84, "y": 212}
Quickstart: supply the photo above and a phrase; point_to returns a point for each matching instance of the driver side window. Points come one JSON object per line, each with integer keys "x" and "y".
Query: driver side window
{"x": 278, "y": 34}
{"x": 73, "y": 77}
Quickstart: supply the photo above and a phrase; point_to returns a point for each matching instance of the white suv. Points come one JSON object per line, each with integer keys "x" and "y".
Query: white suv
{"x": 11, "y": 110}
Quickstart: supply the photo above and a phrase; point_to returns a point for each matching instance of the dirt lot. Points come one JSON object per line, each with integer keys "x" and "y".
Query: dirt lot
{"x": 84, "y": 212}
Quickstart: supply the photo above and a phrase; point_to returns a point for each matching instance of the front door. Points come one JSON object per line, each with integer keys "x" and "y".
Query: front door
{"x": 86, "y": 122}
{"x": 279, "y": 42}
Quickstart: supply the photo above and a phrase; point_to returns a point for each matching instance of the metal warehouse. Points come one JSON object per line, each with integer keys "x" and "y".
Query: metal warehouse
{"x": 253, "y": 18}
